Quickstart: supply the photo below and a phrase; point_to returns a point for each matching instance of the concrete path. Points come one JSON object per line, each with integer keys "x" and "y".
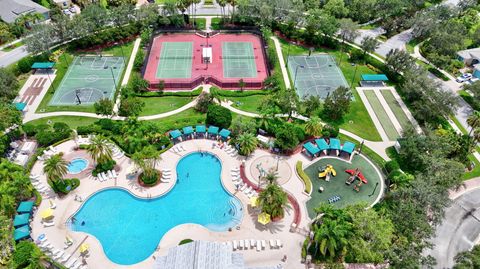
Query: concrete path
{"x": 208, "y": 23}
{"x": 278, "y": 48}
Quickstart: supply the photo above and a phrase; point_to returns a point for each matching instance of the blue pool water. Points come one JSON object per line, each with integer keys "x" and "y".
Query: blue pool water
{"x": 130, "y": 228}
{"x": 77, "y": 165}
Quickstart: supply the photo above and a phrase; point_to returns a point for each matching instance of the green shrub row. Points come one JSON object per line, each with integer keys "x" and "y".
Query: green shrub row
{"x": 438, "y": 74}
{"x": 225, "y": 93}
{"x": 167, "y": 93}
{"x": 60, "y": 186}
{"x": 103, "y": 167}
{"x": 305, "y": 178}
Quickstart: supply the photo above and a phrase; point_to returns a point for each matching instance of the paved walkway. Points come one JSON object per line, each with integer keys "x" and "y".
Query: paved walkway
{"x": 278, "y": 48}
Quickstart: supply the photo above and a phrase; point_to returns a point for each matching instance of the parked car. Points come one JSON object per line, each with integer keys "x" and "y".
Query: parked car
{"x": 464, "y": 77}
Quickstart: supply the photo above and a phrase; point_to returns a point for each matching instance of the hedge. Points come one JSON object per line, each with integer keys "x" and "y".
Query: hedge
{"x": 438, "y": 74}
{"x": 167, "y": 93}
{"x": 305, "y": 178}
{"x": 226, "y": 93}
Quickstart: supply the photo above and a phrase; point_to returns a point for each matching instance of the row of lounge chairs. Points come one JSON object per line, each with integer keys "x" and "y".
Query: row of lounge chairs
{"x": 253, "y": 244}
{"x": 60, "y": 255}
{"x": 39, "y": 186}
{"x": 177, "y": 149}
{"x": 240, "y": 185}
{"x": 47, "y": 153}
{"x": 166, "y": 175}
{"x": 104, "y": 176}
{"x": 227, "y": 148}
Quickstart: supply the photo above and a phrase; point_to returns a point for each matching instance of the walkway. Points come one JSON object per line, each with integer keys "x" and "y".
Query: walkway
{"x": 278, "y": 49}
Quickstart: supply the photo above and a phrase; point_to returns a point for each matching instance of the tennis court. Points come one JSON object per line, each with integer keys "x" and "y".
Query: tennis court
{"x": 88, "y": 79}
{"x": 175, "y": 60}
{"x": 238, "y": 60}
{"x": 316, "y": 75}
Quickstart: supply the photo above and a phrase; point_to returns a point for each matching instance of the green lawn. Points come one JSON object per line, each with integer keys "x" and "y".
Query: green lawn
{"x": 396, "y": 109}
{"x": 382, "y": 116}
{"x": 200, "y": 22}
{"x": 216, "y": 23}
{"x": 247, "y": 103}
{"x": 357, "y": 120}
{"x": 411, "y": 45}
{"x": 12, "y": 47}
{"x": 337, "y": 186}
{"x": 72, "y": 121}
{"x": 177, "y": 121}
{"x": 157, "y": 105}
{"x": 61, "y": 67}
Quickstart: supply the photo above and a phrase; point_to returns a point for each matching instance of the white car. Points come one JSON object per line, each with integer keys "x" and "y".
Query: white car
{"x": 464, "y": 77}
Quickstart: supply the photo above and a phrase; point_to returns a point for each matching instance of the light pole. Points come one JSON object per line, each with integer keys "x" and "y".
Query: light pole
{"x": 113, "y": 77}
{"x": 354, "y": 74}
{"x": 288, "y": 55}
{"x": 295, "y": 77}
{"x": 123, "y": 55}
{"x": 278, "y": 160}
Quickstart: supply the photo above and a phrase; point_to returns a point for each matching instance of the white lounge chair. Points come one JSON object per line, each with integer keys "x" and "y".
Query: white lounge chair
{"x": 34, "y": 176}
{"x": 55, "y": 252}
{"x": 166, "y": 170}
{"x": 41, "y": 158}
{"x": 52, "y": 149}
{"x": 247, "y": 244}
{"x": 279, "y": 243}
{"x": 109, "y": 174}
{"x": 233, "y": 154}
{"x": 114, "y": 173}
{"x": 252, "y": 243}
{"x": 272, "y": 244}
{"x": 59, "y": 255}
{"x": 243, "y": 187}
{"x": 241, "y": 244}
{"x": 234, "y": 244}
{"x": 236, "y": 169}
{"x": 259, "y": 245}
{"x": 103, "y": 176}
{"x": 247, "y": 190}
{"x": 182, "y": 148}
{"x": 71, "y": 263}
{"x": 263, "y": 244}
{"x": 65, "y": 258}
{"x": 48, "y": 224}
{"x": 229, "y": 245}
{"x": 76, "y": 266}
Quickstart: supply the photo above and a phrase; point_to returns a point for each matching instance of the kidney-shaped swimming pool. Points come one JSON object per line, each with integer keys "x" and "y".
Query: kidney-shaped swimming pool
{"x": 130, "y": 228}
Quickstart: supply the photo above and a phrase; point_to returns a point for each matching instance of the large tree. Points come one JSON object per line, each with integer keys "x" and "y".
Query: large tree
{"x": 337, "y": 104}
{"x": 273, "y": 200}
{"x": 369, "y": 45}
{"x": 55, "y": 167}
{"x": 99, "y": 149}
{"x": 247, "y": 143}
{"x": 399, "y": 61}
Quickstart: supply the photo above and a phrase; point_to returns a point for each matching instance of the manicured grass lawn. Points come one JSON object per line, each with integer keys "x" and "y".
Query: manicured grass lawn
{"x": 180, "y": 120}
{"x": 216, "y": 23}
{"x": 337, "y": 186}
{"x": 248, "y": 103}
{"x": 357, "y": 120}
{"x": 200, "y": 22}
{"x": 411, "y": 45}
{"x": 61, "y": 67}
{"x": 12, "y": 47}
{"x": 72, "y": 121}
{"x": 396, "y": 109}
{"x": 382, "y": 115}
{"x": 157, "y": 105}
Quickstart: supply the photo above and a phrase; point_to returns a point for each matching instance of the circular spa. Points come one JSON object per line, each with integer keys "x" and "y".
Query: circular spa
{"x": 130, "y": 228}
{"x": 77, "y": 165}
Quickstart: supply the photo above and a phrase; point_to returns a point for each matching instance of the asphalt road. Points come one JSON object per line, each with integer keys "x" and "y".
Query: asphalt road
{"x": 13, "y": 56}
{"x": 459, "y": 230}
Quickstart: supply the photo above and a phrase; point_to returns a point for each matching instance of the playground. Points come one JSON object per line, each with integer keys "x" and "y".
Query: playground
{"x": 336, "y": 190}
{"x": 185, "y": 60}
{"x": 88, "y": 79}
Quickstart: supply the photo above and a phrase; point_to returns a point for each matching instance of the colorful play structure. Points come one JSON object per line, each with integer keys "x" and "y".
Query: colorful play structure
{"x": 356, "y": 175}
{"x": 326, "y": 172}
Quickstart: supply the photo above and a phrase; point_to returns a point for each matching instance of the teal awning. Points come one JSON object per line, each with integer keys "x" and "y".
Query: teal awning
{"x": 378, "y": 77}
{"x": 200, "y": 129}
{"x": 224, "y": 133}
{"x": 348, "y": 147}
{"x": 20, "y": 106}
{"x": 175, "y": 134}
{"x": 21, "y": 233}
{"x": 322, "y": 144}
{"x": 311, "y": 148}
{"x": 334, "y": 143}
{"x": 21, "y": 220}
{"x": 187, "y": 130}
{"x": 42, "y": 65}
{"x": 213, "y": 130}
{"x": 25, "y": 207}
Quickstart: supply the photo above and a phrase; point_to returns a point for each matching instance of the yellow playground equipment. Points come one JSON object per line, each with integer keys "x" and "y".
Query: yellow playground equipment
{"x": 327, "y": 172}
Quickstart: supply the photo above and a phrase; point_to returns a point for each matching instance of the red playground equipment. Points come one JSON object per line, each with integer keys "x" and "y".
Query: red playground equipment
{"x": 355, "y": 174}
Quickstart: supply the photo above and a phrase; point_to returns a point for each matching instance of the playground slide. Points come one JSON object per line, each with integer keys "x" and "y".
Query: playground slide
{"x": 360, "y": 175}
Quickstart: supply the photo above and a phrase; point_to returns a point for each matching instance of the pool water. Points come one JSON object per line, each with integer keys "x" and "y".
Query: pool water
{"x": 130, "y": 228}
{"x": 77, "y": 165}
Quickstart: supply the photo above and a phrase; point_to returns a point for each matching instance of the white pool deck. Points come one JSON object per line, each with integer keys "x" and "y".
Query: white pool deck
{"x": 249, "y": 228}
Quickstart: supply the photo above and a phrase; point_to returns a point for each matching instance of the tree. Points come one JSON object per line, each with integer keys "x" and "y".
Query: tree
{"x": 55, "y": 167}
{"x": 8, "y": 85}
{"x": 273, "y": 200}
{"x": 241, "y": 125}
{"x": 285, "y": 102}
{"x": 313, "y": 127}
{"x": 468, "y": 259}
{"x": 286, "y": 137}
{"x": 9, "y": 116}
{"x": 99, "y": 149}
{"x": 138, "y": 84}
{"x": 40, "y": 39}
{"x": 5, "y": 34}
{"x": 399, "y": 61}
{"x": 348, "y": 30}
{"x": 161, "y": 85}
{"x": 320, "y": 21}
{"x": 219, "y": 116}
{"x": 473, "y": 121}
{"x": 247, "y": 143}
{"x": 271, "y": 177}
{"x": 146, "y": 159}
{"x": 336, "y": 8}
{"x": 310, "y": 105}
{"x": 131, "y": 106}
{"x": 241, "y": 84}
{"x": 28, "y": 255}
{"x": 362, "y": 10}
{"x": 96, "y": 14}
{"x": 204, "y": 100}
{"x": 337, "y": 104}
{"x": 369, "y": 45}
{"x": 103, "y": 107}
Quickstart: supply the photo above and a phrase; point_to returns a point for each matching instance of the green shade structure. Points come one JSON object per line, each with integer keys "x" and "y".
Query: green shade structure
{"x": 213, "y": 130}
{"x": 379, "y": 77}
{"x": 200, "y": 129}
{"x": 322, "y": 144}
{"x": 21, "y": 220}
{"x": 224, "y": 133}
{"x": 348, "y": 147}
{"x": 20, "y": 106}
{"x": 21, "y": 233}
{"x": 187, "y": 130}
{"x": 175, "y": 134}
{"x": 334, "y": 144}
{"x": 25, "y": 207}
{"x": 311, "y": 149}
{"x": 42, "y": 65}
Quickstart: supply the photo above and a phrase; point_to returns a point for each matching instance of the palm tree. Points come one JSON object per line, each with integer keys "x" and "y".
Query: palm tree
{"x": 55, "y": 167}
{"x": 273, "y": 200}
{"x": 222, "y": 4}
{"x": 271, "y": 177}
{"x": 99, "y": 149}
{"x": 233, "y": 4}
{"x": 247, "y": 143}
{"x": 147, "y": 160}
{"x": 473, "y": 121}
{"x": 313, "y": 127}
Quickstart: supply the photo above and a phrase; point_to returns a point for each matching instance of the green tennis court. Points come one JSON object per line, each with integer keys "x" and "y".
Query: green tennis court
{"x": 316, "y": 75}
{"x": 175, "y": 60}
{"x": 238, "y": 60}
{"x": 88, "y": 79}
{"x": 382, "y": 116}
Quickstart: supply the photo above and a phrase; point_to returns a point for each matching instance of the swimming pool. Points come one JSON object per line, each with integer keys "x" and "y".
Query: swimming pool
{"x": 77, "y": 165}
{"x": 130, "y": 228}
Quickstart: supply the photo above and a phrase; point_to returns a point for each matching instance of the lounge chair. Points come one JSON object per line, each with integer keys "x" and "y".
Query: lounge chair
{"x": 247, "y": 244}
{"x": 55, "y": 252}
{"x": 251, "y": 194}
{"x": 243, "y": 187}
{"x": 241, "y": 244}
{"x": 279, "y": 243}
{"x": 247, "y": 190}
{"x": 114, "y": 173}
{"x": 263, "y": 244}
{"x": 83, "y": 267}
{"x": 41, "y": 158}
{"x": 236, "y": 169}
{"x": 166, "y": 173}
{"x": 233, "y": 154}
{"x": 272, "y": 244}
{"x": 234, "y": 244}
{"x": 166, "y": 170}
{"x": 109, "y": 174}
{"x": 103, "y": 176}
{"x": 71, "y": 263}
{"x": 76, "y": 266}
{"x": 252, "y": 243}
{"x": 259, "y": 245}
{"x": 65, "y": 258}
{"x": 59, "y": 255}
{"x": 166, "y": 176}
{"x": 182, "y": 148}
{"x": 48, "y": 224}
{"x": 52, "y": 204}
{"x": 34, "y": 176}
{"x": 52, "y": 149}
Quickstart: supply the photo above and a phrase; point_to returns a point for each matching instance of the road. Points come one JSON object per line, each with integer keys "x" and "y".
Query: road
{"x": 459, "y": 230}
{"x": 8, "y": 58}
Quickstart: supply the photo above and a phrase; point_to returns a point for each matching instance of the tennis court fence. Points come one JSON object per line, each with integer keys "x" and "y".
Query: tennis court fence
{"x": 204, "y": 80}
{"x": 176, "y": 58}
{"x": 238, "y": 57}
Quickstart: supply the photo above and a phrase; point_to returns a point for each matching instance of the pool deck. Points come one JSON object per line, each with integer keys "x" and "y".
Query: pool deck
{"x": 249, "y": 227}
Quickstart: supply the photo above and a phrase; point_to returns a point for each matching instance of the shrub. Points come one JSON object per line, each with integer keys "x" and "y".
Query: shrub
{"x": 391, "y": 166}
{"x": 64, "y": 186}
{"x": 24, "y": 253}
{"x": 47, "y": 135}
{"x": 30, "y": 129}
{"x": 330, "y": 131}
{"x": 204, "y": 101}
{"x": 138, "y": 63}
{"x": 193, "y": 93}
{"x": 219, "y": 116}
{"x": 25, "y": 65}
{"x": 304, "y": 177}
{"x": 88, "y": 129}
{"x": 185, "y": 241}
{"x": 103, "y": 167}
{"x": 150, "y": 181}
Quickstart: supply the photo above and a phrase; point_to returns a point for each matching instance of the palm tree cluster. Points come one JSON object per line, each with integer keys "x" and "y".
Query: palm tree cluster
{"x": 247, "y": 143}
{"x": 273, "y": 200}
{"x": 313, "y": 127}
{"x": 147, "y": 160}
{"x": 55, "y": 167}
{"x": 99, "y": 149}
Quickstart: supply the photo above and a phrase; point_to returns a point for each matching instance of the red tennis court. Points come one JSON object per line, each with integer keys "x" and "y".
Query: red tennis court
{"x": 177, "y": 60}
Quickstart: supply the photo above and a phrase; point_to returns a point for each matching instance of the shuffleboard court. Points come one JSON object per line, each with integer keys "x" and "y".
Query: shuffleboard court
{"x": 382, "y": 115}
{"x": 238, "y": 60}
{"x": 88, "y": 79}
{"x": 316, "y": 75}
{"x": 175, "y": 60}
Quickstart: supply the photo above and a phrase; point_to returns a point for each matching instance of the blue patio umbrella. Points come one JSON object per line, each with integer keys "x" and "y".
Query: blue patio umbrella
{"x": 213, "y": 130}
{"x": 187, "y": 130}
{"x": 200, "y": 129}
{"x": 21, "y": 220}
{"x": 224, "y": 133}
{"x": 312, "y": 150}
{"x": 21, "y": 233}
{"x": 348, "y": 147}
{"x": 175, "y": 134}
{"x": 25, "y": 207}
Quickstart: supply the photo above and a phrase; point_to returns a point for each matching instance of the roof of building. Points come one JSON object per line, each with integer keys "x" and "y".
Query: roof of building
{"x": 377, "y": 77}
{"x": 470, "y": 53}
{"x": 12, "y": 9}
{"x": 42, "y": 65}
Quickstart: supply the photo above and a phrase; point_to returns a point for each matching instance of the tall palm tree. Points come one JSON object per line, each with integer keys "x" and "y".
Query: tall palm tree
{"x": 222, "y": 4}
{"x": 55, "y": 167}
{"x": 233, "y": 3}
{"x": 273, "y": 200}
{"x": 247, "y": 143}
{"x": 473, "y": 121}
{"x": 313, "y": 127}
{"x": 147, "y": 160}
{"x": 99, "y": 149}
{"x": 271, "y": 177}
